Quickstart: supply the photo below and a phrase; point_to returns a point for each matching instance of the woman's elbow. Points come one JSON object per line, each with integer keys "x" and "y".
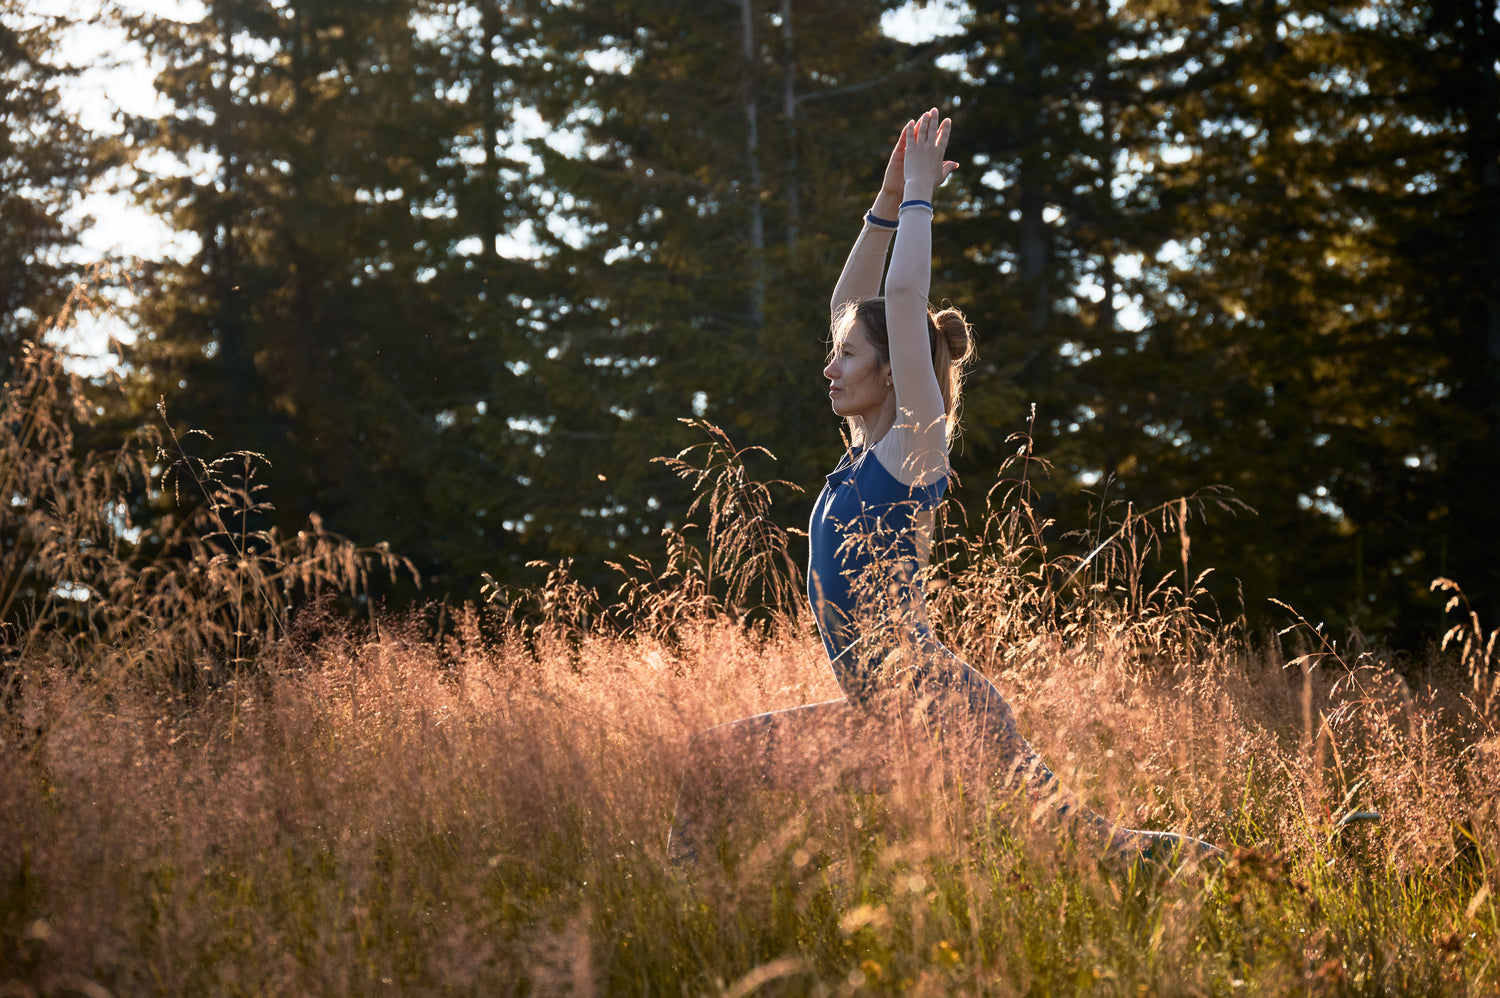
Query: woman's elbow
{"x": 905, "y": 299}
{"x": 900, "y": 291}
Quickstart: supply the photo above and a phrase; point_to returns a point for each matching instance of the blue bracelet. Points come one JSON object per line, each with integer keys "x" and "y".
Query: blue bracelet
{"x": 915, "y": 203}
{"x": 884, "y": 223}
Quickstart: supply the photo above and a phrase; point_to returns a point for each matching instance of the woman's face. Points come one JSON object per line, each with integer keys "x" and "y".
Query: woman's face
{"x": 858, "y": 380}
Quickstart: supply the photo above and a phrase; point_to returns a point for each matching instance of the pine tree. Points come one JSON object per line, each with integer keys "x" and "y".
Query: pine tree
{"x": 1250, "y": 246}
{"x": 1030, "y": 249}
{"x": 722, "y": 155}
{"x": 341, "y": 315}
{"x": 1316, "y": 373}
{"x": 47, "y": 160}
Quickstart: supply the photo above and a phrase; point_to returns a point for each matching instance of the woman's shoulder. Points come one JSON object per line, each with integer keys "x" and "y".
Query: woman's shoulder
{"x": 911, "y": 458}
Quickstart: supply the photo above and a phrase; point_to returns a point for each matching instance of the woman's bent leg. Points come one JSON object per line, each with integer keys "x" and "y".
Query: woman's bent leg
{"x": 805, "y": 749}
{"x": 967, "y": 709}
{"x": 963, "y": 708}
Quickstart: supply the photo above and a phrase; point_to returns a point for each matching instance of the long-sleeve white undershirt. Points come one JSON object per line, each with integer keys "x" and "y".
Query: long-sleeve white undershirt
{"x": 916, "y": 448}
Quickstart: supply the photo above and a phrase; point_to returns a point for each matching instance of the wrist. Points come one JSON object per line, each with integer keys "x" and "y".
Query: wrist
{"x": 886, "y": 203}
{"x": 917, "y": 189}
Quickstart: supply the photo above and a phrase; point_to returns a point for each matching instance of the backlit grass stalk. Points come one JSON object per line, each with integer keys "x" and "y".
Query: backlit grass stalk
{"x": 183, "y": 596}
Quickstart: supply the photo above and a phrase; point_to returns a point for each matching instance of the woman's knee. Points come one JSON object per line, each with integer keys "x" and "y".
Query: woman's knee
{"x": 711, "y": 745}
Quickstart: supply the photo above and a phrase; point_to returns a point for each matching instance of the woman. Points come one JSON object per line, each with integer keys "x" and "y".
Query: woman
{"x": 895, "y": 374}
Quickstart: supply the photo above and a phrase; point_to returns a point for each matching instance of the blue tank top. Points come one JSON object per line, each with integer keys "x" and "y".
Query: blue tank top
{"x": 862, "y": 541}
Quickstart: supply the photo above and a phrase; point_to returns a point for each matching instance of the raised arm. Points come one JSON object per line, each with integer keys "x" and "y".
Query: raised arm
{"x": 918, "y": 398}
{"x": 866, "y": 263}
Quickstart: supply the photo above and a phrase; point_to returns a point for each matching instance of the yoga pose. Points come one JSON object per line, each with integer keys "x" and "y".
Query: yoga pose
{"x": 895, "y": 375}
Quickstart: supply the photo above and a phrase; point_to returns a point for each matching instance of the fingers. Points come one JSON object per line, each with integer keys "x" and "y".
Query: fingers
{"x": 925, "y": 140}
{"x": 929, "y": 130}
{"x": 895, "y": 168}
{"x": 901, "y": 141}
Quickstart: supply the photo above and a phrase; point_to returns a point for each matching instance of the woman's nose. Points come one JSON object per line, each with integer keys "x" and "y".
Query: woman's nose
{"x": 830, "y": 371}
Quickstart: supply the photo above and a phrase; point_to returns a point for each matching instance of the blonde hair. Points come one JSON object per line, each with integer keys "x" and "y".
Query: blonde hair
{"x": 949, "y": 336}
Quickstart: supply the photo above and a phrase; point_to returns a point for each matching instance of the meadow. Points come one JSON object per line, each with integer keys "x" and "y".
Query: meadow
{"x": 216, "y": 780}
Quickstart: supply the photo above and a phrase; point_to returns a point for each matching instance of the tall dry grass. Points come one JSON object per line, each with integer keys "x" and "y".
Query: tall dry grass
{"x": 148, "y": 561}
{"x": 351, "y": 807}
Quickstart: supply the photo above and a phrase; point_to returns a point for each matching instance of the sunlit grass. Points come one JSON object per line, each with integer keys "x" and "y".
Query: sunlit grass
{"x": 390, "y": 812}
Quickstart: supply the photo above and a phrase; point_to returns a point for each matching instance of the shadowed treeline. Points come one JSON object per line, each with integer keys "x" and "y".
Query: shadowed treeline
{"x": 458, "y": 270}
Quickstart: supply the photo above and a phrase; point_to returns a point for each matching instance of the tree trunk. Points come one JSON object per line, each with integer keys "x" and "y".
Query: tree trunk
{"x": 1033, "y": 241}
{"x": 489, "y": 131}
{"x": 752, "y": 167}
{"x": 220, "y": 248}
{"x": 1109, "y": 319}
{"x": 1484, "y": 127}
{"x": 789, "y": 111}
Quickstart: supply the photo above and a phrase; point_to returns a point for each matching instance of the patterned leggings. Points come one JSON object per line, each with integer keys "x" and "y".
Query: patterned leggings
{"x": 923, "y": 698}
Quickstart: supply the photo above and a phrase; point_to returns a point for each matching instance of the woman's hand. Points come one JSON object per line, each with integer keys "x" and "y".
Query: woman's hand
{"x": 888, "y": 201}
{"x": 921, "y": 149}
{"x": 895, "y": 170}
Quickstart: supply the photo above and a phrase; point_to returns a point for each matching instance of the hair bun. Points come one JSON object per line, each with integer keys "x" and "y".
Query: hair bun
{"x": 957, "y": 334}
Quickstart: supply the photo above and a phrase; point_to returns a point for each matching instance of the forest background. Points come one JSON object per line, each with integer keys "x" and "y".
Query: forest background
{"x": 459, "y": 271}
